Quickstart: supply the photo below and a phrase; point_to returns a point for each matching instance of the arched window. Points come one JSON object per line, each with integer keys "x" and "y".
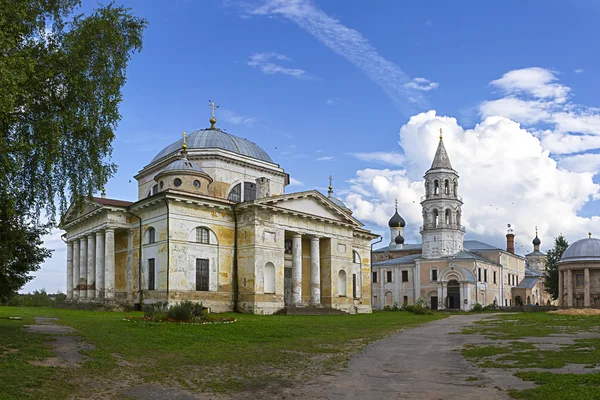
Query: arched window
{"x": 236, "y": 193}
{"x": 249, "y": 191}
{"x": 458, "y": 218}
{"x": 435, "y": 218}
{"x": 151, "y": 235}
{"x": 342, "y": 283}
{"x": 202, "y": 236}
{"x": 455, "y": 185}
{"x": 447, "y": 219}
{"x": 356, "y": 257}
{"x": 436, "y": 187}
{"x": 446, "y": 187}
{"x": 269, "y": 277}
{"x": 154, "y": 189}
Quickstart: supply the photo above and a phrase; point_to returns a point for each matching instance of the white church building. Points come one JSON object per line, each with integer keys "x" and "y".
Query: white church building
{"x": 212, "y": 223}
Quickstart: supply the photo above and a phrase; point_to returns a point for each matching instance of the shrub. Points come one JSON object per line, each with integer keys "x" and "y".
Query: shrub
{"x": 490, "y": 307}
{"x": 387, "y": 308}
{"x": 395, "y": 307}
{"x": 419, "y": 308}
{"x": 477, "y": 308}
{"x": 181, "y": 311}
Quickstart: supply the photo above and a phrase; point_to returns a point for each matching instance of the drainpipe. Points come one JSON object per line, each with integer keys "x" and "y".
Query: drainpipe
{"x": 141, "y": 299}
{"x": 371, "y": 267}
{"x": 235, "y": 261}
{"x": 476, "y": 283}
{"x": 168, "y": 248}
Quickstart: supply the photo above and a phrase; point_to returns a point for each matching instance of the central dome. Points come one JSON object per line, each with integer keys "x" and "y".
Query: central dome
{"x": 582, "y": 250}
{"x": 216, "y": 139}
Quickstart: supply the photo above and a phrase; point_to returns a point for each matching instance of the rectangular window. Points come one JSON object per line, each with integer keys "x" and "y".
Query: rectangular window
{"x": 202, "y": 274}
{"x": 405, "y": 300}
{"x": 579, "y": 280}
{"x": 151, "y": 274}
{"x": 249, "y": 191}
{"x": 354, "y": 286}
{"x": 514, "y": 279}
{"x": 388, "y": 276}
{"x": 479, "y": 275}
{"x": 404, "y": 276}
{"x": 485, "y": 275}
{"x": 434, "y": 275}
{"x": 494, "y": 277}
{"x": 374, "y": 277}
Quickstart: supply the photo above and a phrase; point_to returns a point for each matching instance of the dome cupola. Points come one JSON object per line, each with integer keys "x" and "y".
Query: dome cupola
{"x": 582, "y": 250}
{"x": 396, "y": 221}
{"x": 399, "y": 239}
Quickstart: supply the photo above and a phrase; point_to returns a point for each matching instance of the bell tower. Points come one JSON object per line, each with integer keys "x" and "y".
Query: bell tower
{"x": 442, "y": 233}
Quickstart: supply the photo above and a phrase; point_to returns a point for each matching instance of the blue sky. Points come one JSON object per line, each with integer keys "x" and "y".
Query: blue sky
{"x": 349, "y": 89}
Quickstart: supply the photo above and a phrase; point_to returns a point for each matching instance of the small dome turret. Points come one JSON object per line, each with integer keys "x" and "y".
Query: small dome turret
{"x": 399, "y": 239}
{"x": 536, "y": 241}
{"x": 396, "y": 221}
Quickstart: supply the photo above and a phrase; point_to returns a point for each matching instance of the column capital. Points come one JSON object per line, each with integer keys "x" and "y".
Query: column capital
{"x": 91, "y": 234}
{"x": 99, "y": 232}
{"x": 109, "y": 229}
{"x": 315, "y": 238}
{"x": 297, "y": 235}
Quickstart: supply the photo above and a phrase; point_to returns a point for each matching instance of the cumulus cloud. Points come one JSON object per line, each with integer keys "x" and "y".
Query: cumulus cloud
{"x": 422, "y": 84}
{"x": 345, "y": 41}
{"x": 506, "y": 176}
{"x": 535, "y": 98}
{"x": 266, "y": 63}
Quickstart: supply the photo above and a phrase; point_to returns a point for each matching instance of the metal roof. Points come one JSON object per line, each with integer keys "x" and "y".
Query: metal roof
{"x": 216, "y": 139}
{"x": 535, "y": 253}
{"x": 398, "y": 261}
{"x": 466, "y": 255}
{"x": 395, "y": 247}
{"x": 533, "y": 272}
{"x": 183, "y": 164}
{"x": 337, "y": 202}
{"x": 441, "y": 159}
{"x": 474, "y": 245}
{"x": 528, "y": 282}
{"x": 582, "y": 250}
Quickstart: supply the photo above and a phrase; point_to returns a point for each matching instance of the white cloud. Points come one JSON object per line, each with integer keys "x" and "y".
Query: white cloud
{"x": 534, "y": 81}
{"x": 534, "y": 98}
{"x": 233, "y": 118}
{"x": 579, "y": 71}
{"x": 422, "y": 84}
{"x": 380, "y": 157}
{"x": 295, "y": 182}
{"x": 589, "y": 162}
{"x": 347, "y": 42}
{"x": 264, "y": 62}
{"x": 52, "y": 274}
{"x": 325, "y": 158}
{"x": 506, "y": 176}
{"x": 330, "y": 102}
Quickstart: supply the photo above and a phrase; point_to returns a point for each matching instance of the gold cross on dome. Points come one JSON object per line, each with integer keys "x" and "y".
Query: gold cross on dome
{"x": 330, "y": 179}
{"x": 213, "y": 106}
{"x": 184, "y": 145}
{"x": 396, "y": 204}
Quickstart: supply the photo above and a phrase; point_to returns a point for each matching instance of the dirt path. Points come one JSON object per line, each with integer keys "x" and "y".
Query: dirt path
{"x": 66, "y": 346}
{"x": 416, "y": 363}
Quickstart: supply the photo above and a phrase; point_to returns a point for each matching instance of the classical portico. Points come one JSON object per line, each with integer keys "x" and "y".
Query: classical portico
{"x": 456, "y": 286}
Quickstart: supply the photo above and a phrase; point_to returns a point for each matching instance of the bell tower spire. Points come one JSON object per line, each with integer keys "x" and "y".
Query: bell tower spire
{"x": 442, "y": 233}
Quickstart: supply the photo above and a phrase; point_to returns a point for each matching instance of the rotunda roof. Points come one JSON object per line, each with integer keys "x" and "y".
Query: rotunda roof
{"x": 582, "y": 250}
{"x": 183, "y": 164}
{"x": 216, "y": 139}
{"x": 337, "y": 202}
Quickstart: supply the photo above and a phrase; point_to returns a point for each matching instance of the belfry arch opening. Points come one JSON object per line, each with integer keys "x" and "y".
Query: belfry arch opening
{"x": 453, "y": 299}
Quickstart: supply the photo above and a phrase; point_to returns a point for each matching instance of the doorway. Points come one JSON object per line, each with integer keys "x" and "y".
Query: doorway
{"x": 287, "y": 286}
{"x": 434, "y": 302}
{"x": 453, "y": 295}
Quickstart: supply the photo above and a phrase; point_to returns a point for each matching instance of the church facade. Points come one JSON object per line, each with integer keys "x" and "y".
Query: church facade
{"x": 445, "y": 271}
{"x": 213, "y": 224}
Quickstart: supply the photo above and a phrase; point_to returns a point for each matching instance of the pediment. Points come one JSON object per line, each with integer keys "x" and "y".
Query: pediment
{"x": 74, "y": 212}
{"x": 311, "y": 203}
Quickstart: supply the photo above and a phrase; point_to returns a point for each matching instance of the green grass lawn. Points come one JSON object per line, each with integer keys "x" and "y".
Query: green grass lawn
{"x": 514, "y": 353}
{"x": 225, "y": 357}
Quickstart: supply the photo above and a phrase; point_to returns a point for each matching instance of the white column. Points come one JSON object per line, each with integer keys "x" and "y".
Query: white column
{"x": 99, "y": 264}
{"x": 75, "y": 283}
{"x": 83, "y": 267}
{"x": 91, "y": 266}
{"x": 129, "y": 275}
{"x": 569, "y": 287}
{"x": 586, "y": 287}
{"x": 70, "y": 269}
{"x": 561, "y": 288}
{"x": 109, "y": 264}
{"x": 444, "y": 294}
{"x": 297, "y": 270}
{"x": 315, "y": 272}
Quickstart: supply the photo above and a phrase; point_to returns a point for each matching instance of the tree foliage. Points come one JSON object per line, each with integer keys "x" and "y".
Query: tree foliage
{"x": 61, "y": 76}
{"x": 552, "y": 258}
